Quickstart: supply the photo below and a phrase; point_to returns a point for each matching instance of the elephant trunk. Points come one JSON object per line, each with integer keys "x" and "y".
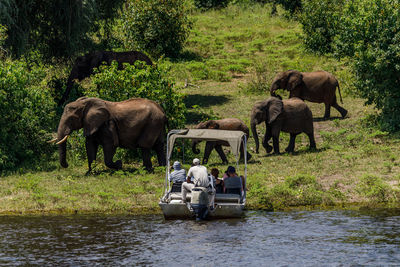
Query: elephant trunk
{"x": 194, "y": 148}
{"x": 254, "y": 131}
{"x": 273, "y": 88}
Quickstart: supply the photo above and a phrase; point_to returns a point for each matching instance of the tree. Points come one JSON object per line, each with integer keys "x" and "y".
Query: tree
{"x": 57, "y": 28}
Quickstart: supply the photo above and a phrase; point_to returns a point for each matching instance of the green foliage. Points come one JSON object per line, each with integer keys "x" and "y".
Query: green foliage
{"x": 290, "y": 5}
{"x": 376, "y": 61}
{"x": 367, "y": 31}
{"x": 159, "y": 28}
{"x": 139, "y": 80}
{"x": 27, "y": 114}
{"x": 375, "y": 189}
{"x": 55, "y": 28}
{"x": 319, "y": 20}
{"x": 299, "y": 190}
{"x": 207, "y": 4}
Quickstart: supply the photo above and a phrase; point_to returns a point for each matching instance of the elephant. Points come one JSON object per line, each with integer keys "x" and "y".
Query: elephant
{"x": 290, "y": 116}
{"x": 84, "y": 65}
{"x": 133, "y": 123}
{"x": 232, "y": 124}
{"x": 317, "y": 86}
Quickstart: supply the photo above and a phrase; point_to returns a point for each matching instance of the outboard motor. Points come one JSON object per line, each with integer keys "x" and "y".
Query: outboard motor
{"x": 200, "y": 202}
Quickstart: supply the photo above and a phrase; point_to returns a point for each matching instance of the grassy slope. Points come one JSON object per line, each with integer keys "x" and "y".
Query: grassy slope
{"x": 231, "y": 56}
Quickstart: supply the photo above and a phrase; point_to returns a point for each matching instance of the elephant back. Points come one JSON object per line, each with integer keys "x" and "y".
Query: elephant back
{"x": 297, "y": 116}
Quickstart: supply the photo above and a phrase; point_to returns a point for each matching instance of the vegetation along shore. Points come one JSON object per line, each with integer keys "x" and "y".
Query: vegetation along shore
{"x": 226, "y": 62}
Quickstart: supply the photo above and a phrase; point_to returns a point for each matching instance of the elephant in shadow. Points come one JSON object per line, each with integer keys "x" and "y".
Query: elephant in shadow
{"x": 133, "y": 123}
{"x": 231, "y": 124}
{"x": 317, "y": 86}
{"x": 290, "y": 116}
{"x": 84, "y": 65}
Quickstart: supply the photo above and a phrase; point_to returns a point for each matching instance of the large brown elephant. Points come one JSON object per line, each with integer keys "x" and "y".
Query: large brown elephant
{"x": 133, "y": 123}
{"x": 232, "y": 124}
{"x": 84, "y": 65}
{"x": 290, "y": 116}
{"x": 317, "y": 86}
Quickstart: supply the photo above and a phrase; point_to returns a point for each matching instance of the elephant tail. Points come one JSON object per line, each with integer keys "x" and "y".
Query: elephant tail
{"x": 341, "y": 100}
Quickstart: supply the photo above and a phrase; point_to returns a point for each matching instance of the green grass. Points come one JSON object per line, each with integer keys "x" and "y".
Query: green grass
{"x": 230, "y": 60}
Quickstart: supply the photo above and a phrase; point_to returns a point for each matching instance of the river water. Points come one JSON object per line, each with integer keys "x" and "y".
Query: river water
{"x": 305, "y": 238}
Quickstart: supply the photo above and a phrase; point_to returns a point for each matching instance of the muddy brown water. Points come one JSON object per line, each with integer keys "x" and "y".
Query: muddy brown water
{"x": 317, "y": 238}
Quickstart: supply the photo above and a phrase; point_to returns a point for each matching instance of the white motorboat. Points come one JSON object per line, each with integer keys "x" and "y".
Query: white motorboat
{"x": 216, "y": 205}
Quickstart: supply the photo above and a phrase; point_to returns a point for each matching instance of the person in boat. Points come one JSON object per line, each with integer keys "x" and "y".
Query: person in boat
{"x": 218, "y": 183}
{"x": 178, "y": 175}
{"x": 233, "y": 184}
{"x": 200, "y": 178}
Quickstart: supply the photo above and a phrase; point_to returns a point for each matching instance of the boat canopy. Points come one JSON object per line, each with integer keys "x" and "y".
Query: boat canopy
{"x": 234, "y": 138}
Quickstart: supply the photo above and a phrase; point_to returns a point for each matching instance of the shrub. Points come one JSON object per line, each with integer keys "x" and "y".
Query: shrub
{"x": 290, "y": 5}
{"x": 159, "y": 28}
{"x": 373, "y": 41}
{"x": 319, "y": 20}
{"x": 207, "y": 4}
{"x": 27, "y": 114}
{"x": 375, "y": 188}
{"x": 139, "y": 80}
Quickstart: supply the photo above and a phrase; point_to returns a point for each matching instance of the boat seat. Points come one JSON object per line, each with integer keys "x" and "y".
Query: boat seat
{"x": 235, "y": 198}
{"x": 178, "y": 196}
{"x": 176, "y": 187}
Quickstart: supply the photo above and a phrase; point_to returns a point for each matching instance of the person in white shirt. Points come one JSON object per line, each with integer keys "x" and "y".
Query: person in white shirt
{"x": 200, "y": 178}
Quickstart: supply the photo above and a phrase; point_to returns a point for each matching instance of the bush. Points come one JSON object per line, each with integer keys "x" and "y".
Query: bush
{"x": 372, "y": 39}
{"x": 157, "y": 28}
{"x": 139, "y": 80}
{"x": 207, "y": 4}
{"x": 290, "y": 5}
{"x": 319, "y": 20}
{"x": 27, "y": 115}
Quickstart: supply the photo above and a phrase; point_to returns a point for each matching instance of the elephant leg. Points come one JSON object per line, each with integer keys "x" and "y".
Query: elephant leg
{"x": 327, "y": 114}
{"x": 248, "y": 155}
{"x": 221, "y": 154}
{"x": 341, "y": 110}
{"x": 292, "y": 142}
{"x": 275, "y": 140}
{"x": 109, "y": 152}
{"x": 159, "y": 148}
{"x": 207, "y": 151}
{"x": 146, "y": 155}
{"x": 91, "y": 151}
{"x": 266, "y": 138}
{"x": 312, "y": 141}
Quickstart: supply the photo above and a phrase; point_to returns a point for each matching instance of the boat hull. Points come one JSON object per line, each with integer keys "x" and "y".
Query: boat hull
{"x": 181, "y": 211}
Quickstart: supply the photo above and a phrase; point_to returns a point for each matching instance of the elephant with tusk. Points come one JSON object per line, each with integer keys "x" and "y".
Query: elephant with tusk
{"x": 133, "y": 123}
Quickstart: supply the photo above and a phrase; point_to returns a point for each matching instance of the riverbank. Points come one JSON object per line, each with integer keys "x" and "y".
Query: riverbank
{"x": 228, "y": 68}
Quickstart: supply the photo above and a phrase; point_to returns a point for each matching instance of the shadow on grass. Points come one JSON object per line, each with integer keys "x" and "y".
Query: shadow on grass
{"x": 330, "y": 119}
{"x": 205, "y": 100}
{"x": 186, "y": 56}
{"x": 295, "y": 153}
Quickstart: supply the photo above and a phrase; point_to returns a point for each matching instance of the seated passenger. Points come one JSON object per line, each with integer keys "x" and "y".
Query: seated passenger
{"x": 218, "y": 183}
{"x": 200, "y": 178}
{"x": 233, "y": 184}
{"x": 178, "y": 175}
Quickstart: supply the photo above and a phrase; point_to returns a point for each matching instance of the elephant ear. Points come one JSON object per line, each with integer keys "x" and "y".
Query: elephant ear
{"x": 95, "y": 115}
{"x": 275, "y": 108}
{"x": 294, "y": 80}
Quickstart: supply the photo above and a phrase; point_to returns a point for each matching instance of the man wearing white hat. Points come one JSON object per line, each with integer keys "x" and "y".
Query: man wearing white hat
{"x": 200, "y": 178}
